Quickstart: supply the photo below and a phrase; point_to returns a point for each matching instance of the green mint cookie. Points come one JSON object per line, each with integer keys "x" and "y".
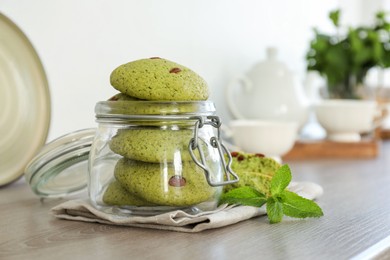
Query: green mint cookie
{"x": 254, "y": 170}
{"x": 159, "y": 79}
{"x": 164, "y": 184}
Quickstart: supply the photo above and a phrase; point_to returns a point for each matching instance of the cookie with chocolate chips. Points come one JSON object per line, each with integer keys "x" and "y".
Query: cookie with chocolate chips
{"x": 164, "y": 184}
{"x": 254, "y": 170}
{"x": 159, "y": 79}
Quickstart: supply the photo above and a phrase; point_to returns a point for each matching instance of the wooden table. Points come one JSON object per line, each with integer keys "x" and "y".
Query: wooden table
{"x": 356, "y": 204}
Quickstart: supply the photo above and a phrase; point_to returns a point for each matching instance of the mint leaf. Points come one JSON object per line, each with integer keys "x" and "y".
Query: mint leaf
{"x": 280, "y": 180}
{"x": 274, "y": 210}
{"x": 245, "y": 196}
{"x": 280, "y": 201}
{"x": 299, "y": 207}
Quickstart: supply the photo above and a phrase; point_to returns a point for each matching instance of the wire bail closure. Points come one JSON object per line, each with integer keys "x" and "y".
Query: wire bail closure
{"x": 215, "y": 142}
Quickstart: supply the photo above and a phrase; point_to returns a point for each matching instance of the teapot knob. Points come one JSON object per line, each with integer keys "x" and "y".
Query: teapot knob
{"x": 272, "y": 52}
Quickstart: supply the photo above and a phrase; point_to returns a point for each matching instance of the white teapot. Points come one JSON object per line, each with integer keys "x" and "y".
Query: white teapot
{"x": 269, "y": 92}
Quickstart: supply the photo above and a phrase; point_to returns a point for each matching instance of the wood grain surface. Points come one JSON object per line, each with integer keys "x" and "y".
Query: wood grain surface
{"x": 356, "y": 204}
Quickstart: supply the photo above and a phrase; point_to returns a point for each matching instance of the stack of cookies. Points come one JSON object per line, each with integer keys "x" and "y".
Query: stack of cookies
{"x": 156, "y": 168}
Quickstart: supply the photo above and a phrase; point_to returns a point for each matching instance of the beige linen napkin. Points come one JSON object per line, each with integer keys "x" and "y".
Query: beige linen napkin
{"x": 177, "y": 220}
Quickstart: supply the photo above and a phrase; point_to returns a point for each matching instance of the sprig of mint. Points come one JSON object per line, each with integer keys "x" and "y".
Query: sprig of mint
{"x": 280, "y": 202}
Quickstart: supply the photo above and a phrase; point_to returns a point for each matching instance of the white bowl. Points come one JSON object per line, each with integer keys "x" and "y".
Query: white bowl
{"x": 386, "y": 119}
{"x": 346, "y": 120}
{"x": 271, "y": 138}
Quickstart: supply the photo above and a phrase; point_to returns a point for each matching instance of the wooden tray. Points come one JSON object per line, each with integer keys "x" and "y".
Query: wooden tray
{"x": 384, "y": 134}
{"x": 336, "y": 150}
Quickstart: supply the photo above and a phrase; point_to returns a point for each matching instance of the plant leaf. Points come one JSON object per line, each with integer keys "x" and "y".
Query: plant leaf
{"x": 280, "y": 180}
{"x": 245, "y": 196}
{"x": 335, "y": 17}
{"x": 274, "y": 210}
{"x": 299, "y": 207}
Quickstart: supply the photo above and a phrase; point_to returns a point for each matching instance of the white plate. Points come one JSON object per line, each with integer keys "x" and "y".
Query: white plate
{"x": 24, "y": 102}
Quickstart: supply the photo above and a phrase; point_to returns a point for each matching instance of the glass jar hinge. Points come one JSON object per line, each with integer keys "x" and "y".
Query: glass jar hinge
{"x": 216, "y": 143}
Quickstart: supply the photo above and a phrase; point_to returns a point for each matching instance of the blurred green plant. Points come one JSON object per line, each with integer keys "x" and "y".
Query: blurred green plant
{"x": 345, "y": 58}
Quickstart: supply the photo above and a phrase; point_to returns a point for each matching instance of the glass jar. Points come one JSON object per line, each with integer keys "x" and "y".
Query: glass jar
{"x": 151, "y": 157}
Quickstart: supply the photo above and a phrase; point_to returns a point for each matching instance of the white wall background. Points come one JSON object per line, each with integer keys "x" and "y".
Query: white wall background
{"x": 81, "y": 41}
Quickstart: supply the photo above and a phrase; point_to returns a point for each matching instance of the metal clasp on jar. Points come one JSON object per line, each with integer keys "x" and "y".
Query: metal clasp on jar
{"x": 216, "y": 143}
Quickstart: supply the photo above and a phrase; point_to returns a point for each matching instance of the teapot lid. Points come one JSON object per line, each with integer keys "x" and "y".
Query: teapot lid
{"x": 271, "y": 67}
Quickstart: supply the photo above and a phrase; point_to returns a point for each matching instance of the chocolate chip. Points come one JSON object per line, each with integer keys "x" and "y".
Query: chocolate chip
{"x": 175, "y": 70}
{"x": 177, "y": 181}
{"x": 234, "y": 154}
{"x": 240, "y": 158}
{"x": 259, "y": 155}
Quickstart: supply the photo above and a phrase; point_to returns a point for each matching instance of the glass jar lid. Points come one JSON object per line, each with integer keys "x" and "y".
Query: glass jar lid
{"x": 61, "y": 167}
